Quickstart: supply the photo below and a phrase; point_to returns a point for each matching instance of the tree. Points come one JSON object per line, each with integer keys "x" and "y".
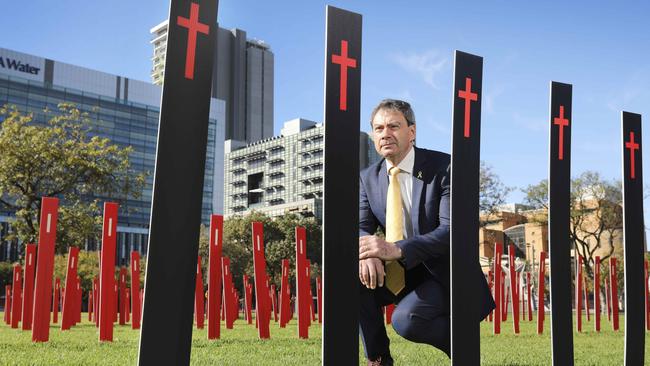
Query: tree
{"x": 279, "y": 243}
{"x": 61, "y": 159}
{"x": 493, "y": 192}
{"x": 596, "y": 218}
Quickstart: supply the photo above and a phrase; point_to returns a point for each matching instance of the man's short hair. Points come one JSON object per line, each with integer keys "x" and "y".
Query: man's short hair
{"x": 395, "y": 105}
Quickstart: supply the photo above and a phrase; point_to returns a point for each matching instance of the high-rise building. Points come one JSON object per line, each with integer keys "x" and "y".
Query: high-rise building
{"x": 124, "y": 110}
{"x": 242, "y": 77}
{"x": 283, "y": 173}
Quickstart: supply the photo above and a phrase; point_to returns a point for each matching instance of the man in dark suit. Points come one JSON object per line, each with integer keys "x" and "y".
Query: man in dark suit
{"x": 406, "y": 194}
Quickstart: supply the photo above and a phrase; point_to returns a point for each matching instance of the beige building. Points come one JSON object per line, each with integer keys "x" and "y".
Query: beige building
{"x": 528, "y": 230}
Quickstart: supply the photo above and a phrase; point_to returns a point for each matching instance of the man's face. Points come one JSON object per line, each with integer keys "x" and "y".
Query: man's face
{"x": 392, "y": 135}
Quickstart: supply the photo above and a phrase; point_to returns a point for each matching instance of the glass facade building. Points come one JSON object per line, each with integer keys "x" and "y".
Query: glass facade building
{"x": 123, "y": 110}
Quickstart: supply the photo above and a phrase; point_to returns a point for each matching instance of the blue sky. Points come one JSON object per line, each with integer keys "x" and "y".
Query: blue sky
{"x": 602, "y": 48}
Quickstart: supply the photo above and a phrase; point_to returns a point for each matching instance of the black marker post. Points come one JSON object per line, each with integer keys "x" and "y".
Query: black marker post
{"x": 166, "y": 335}
{"x": 341, "y": 188}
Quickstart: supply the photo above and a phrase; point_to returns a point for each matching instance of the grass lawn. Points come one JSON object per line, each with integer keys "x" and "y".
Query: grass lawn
{"x": 240, "y": 346}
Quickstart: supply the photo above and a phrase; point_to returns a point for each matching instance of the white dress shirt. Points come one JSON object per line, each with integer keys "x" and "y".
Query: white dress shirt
{"x": 405, "y": 178}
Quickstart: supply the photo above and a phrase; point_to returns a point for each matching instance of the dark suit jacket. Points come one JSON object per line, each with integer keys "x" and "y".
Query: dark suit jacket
{"x": 428, "y": 245}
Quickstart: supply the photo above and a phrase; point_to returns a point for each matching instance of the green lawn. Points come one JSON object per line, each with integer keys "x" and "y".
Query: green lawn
{"x": 240, "y": 346}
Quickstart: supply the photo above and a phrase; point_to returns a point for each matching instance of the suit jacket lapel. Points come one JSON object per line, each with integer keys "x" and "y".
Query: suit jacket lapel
{"x": 382, "y": 176}
{"x": 418, "y": 186}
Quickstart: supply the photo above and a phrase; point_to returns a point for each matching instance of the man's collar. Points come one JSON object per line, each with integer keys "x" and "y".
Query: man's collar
{"x": 406, "y": 165}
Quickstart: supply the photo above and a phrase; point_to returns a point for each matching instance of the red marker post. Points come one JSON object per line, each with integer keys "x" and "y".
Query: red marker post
{"x": 116, "y": 305}
{"x": 107, "y": 273}
{"x": 498, "y": 294}
{"x": 388, "y": 309}
{"x": 528, "y": 292}
{"x": 505, "y": 296}
{"x": 214, "y": 276}
{"x": 614, "y": 296}
{"x": 274, "y": 301}
{"x": 249, "y": 306}
{"x": 285, "y": 295}
{"x": 607, "y": 299}
{"x": 28, "y": 286}
{"x": 44, "y": 270}
{"x": 227, "y": 292}
{"x": 586, "y": 295}
{"x": 78, "y": 299}
{"x": 122, "y": 295}
{"x": 55, "y": 303}
{"x": 259, "y": 263}
{"x": 513, "y": 288}
{"x": 199, "y": 297}
{"x": 96, "y": 301}
{"x": 310, "y": 298}
{"x": 69, "y": 300}
{"x": 90, "y": 305}
{"x": 7, "y": 316}
{"x": 128, "y": 305}
{"x": 135, "y": 290}
{"x": 540, "y": 293}
{"x": 597, "y": 294}
{"x": 246, "y": 298}
{"x": 302, "y": 291}
{"x": 16, "y": 296}
{"x": 578, "y": 295}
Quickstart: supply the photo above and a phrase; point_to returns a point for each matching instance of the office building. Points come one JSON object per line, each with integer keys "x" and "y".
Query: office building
{"x": 242, "y": 77}
{"x": 282, "y": 174}
{"x": 124, "y": 110}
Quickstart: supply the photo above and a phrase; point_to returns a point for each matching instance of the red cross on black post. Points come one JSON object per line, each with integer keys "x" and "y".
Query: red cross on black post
{"x": 193, "y": 27}
{"x": 345, "y": 62}
{"x": 561, "y": 122}
{"x": 632, "y": 146}
{"x": 469, "y": 97}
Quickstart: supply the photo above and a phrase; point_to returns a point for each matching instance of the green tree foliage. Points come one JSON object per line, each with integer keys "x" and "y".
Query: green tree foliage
{"x": 6, "y": 275}
{"x": 61, "y": 159}
{"x": 596, "y": 218}
{"x": 492, "y": 192}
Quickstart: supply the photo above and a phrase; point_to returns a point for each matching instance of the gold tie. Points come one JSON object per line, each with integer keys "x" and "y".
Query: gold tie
{"x": 394, "y": 231}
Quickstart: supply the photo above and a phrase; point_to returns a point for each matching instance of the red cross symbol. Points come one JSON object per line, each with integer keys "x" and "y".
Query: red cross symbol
{"x": 632, "y": 146}
{"x": 345, "y": 62}
{"x": 561, "y": 122}
{"x": 193, "y": 26}
{"x": 469, "y": 97}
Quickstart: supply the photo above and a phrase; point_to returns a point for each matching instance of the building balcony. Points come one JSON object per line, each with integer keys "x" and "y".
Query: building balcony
{"x": 275, "y": 148}
{"x": 312, "y": 178}
{"x": 275, "y": 161}
{"x": 276, "y": 174}
{"x": 311, "y": 138}
{"x": 275, "y": 201}
{"x": 311, "y": 149}
{"x": 238, "y": 183}
{"x": 310, "y": 162}
{"x": 238, "y": 208}
{"x": 275, "y": 187}
{"x": 256, "y": 155}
